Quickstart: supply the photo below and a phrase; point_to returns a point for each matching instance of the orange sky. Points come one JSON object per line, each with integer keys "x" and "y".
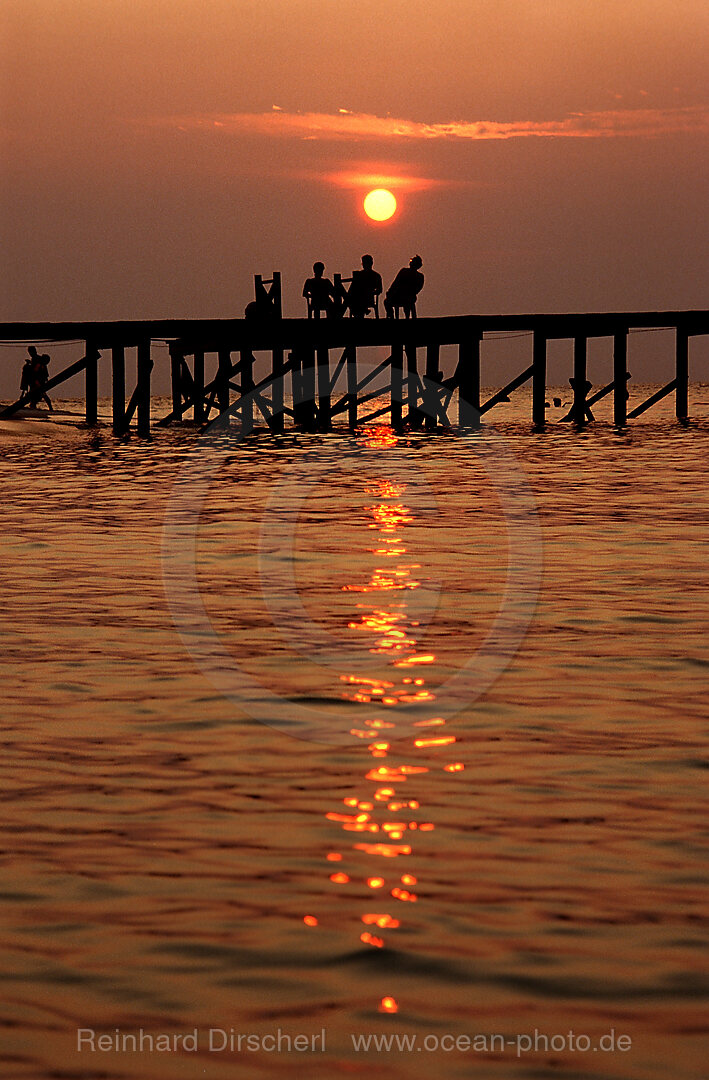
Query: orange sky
{"x": 546, "y": 154}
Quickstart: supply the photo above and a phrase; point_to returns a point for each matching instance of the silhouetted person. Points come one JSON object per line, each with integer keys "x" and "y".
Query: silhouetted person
{"x": 404, "y": 289}
{"x": 260, "y": 308}
{"x": 43, "y": 379}
{"x": 27, "y": 376}
{"x": 365, "y": 290}
{"x": 320, "y": 293}
{"x": 574, "y": 413}
{"x": 35, "y": 373}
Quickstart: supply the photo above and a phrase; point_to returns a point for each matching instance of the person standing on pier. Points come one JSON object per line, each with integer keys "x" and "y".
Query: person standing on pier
{"x": 320, "y": 293}
{"x": 404, "y": 289}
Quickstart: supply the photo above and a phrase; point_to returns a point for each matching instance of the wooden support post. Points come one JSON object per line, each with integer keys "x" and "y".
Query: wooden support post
{"x": 223, "y": 377}
{"x": 433, "y": 355}
{"x": 294, "y": 359}
{"x": 91, "y": 384}
{"x": 308, "y": 389}
{"x": 682, "y": 374}
{"x": 352, "y": 386}
{"x": 539, "y": 379}
{"x": 397, "y": 386}
{"x": 620, "y": 378}
{"x": 277, "y": 392}
{"x": 414, "y": 415}
{"x": 578, "y": 409}
{"x": 469, "y": 383}
{"x": 118, "y": 388}
{"x": 145, "y": 366}
{"x": 198, "y": 387}
{"x": 323, "y": 389}
{"x": 176, "y": 379}
{"x": 247, "y": 386}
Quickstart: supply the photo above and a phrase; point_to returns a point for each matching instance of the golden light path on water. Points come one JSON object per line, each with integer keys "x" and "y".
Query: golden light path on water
{"x": 385, "y": 819}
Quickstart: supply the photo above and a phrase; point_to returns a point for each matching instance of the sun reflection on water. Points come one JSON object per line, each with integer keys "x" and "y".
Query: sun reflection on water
{"x": 390, "y": 811}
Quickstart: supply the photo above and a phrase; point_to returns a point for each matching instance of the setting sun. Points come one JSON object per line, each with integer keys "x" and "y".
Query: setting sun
{"x": 379, "y": 205}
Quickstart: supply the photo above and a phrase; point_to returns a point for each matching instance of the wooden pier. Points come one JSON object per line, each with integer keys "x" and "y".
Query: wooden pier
{"x": 315, "y": 382}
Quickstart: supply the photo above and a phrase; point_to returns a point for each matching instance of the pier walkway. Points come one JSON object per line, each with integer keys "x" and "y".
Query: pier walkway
{"x": 314, "y": 380}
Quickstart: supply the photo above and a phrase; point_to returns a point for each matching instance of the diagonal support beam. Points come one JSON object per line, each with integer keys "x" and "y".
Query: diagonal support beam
{"x": 653, "y": 400}
{"x": 525, "y": 376}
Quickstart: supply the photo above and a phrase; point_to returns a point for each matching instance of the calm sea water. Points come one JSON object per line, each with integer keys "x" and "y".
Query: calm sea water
{"x": 376, "y": 735}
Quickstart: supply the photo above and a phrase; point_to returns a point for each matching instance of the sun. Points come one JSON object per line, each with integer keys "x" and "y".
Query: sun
{"x": 379, "y": 204}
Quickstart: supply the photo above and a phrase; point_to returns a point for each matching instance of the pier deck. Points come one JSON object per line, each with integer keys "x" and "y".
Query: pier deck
{"x": 300, "y": 352}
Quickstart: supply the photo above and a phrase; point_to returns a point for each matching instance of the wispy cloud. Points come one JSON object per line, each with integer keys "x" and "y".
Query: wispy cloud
{"x": 360, "y": 126}
{"x": 369, "y": 176}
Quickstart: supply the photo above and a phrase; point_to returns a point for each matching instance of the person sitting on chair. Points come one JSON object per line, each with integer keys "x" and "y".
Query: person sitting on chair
{"x": 320, "y": 293}
{"x": 365, "y": 290}
{"x": 404, "y": 289}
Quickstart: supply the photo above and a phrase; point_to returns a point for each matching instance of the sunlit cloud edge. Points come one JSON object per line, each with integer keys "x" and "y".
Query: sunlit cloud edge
{"x": 343, "y": 124}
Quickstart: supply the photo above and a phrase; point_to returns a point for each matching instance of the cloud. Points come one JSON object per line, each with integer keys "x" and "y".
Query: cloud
{"x": 352, "y": 126}
{"x": 370, "y": 176}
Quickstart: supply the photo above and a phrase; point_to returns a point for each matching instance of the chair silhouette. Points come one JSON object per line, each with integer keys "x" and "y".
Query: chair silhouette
{"x": 363, "y": 300}
{"x": 267, "y": 302}
{"x": 408, "y": 308}
{"x": 315, "y": 309}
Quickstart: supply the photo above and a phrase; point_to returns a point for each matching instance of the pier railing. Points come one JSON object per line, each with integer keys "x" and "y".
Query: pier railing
{"x": 301, "y": 354}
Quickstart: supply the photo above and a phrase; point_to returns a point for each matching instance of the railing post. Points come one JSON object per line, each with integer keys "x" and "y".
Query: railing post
{"x": 682, "y": 374}
{"x": 620, "y": 377}
{"x": 539, "y": 379}
{"x": 118, "y": 388}
{"x": 91, "y": 383}
{"x": 469, "y": 382}
{"x": 276, "y": 295}
{"x": 145, "y": 366}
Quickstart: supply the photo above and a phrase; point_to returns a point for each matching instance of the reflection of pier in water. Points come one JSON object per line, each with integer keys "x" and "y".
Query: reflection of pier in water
{"x": 382, "y": 823}
{"x": 302, "y": 385}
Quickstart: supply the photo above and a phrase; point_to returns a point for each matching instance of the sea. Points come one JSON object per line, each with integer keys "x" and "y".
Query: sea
{"x": 371, "y": 755}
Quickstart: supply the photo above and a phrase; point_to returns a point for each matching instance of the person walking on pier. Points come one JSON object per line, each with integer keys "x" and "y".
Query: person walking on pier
{"x": 404, "y": 289}
{"x": 27, "y": 375}
{"x": 320, "y": 293}
{"x": 35, "y": 375}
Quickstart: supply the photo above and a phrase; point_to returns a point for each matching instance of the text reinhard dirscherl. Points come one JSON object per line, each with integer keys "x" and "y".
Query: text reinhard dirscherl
{"x": 215, "y": 1040}
{"x": 221, "y": 1040}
